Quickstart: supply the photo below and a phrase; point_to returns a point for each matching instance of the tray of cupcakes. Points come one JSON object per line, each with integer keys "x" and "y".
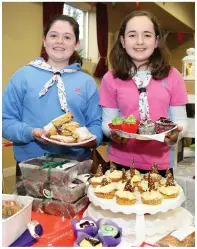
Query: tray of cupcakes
{"x": 64, "y": 131}
{"x": 143, "y": 193}
{"x": 130, "y": 127}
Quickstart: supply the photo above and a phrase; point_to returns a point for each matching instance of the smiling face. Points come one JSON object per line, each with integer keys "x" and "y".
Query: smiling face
{"x": 60, "y": 43}
{"x": 139, "y": 39}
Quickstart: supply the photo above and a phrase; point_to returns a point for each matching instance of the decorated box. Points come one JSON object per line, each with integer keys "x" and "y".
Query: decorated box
{"x": 67, "y": 193}
{"x": 59, "y": 208}
{"x": 61, "y": 170}
{"x": 54, "y": 184}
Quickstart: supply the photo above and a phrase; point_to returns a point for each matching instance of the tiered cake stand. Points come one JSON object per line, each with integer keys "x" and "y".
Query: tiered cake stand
{"x": 141, "y": 220}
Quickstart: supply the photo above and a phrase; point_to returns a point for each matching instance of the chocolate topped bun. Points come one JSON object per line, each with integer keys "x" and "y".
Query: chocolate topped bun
{"x": 163, "y": 124}
{"x": 146, "y": 127}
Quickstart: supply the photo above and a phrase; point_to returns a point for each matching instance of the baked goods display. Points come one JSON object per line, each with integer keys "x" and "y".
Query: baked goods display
{"x": 64, "y": 129}
{"x": 126, "y": 126}
{"x": 149, "y": 189}
{"x": 108, "y": 233}
{"x": 9, "y": 208}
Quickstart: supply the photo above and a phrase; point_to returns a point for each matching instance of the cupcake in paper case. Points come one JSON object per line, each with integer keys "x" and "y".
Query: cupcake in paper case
{"x": 126, "y": 196}
{"x": 151, "y": 198}
{"x": 163, "y": 124}
{"x": 143, "y": 186}
{"x": 170, "y": 189}
{"x": 130, "y": 125}
{"x": 97, "y": 179}
{"x": 110, "y": 232}
{"x": 132, "y": 171}
{"x": 154, "y": 173}
{"x": 114, "y": 174}
{"x": 121, "y": 184}
{"x": 146, "y": 127}
{"x": 152, "y": 195}
{"x": 86, "y": 225}
{"x": 116, "y": 123}
{"x": 85, "y": 240}
{"x": 106, "y": 190}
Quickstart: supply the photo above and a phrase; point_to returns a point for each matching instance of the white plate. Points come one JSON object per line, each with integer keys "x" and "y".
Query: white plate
{"x": 159, "y": 137}
{"x": 69, "y": 144}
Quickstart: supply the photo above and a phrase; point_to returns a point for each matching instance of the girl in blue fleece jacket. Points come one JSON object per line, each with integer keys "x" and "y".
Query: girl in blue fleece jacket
{"x": 42, "y": 91}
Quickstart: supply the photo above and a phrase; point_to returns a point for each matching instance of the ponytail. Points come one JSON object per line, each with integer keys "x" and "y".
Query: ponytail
{"x": 75, "y": 58}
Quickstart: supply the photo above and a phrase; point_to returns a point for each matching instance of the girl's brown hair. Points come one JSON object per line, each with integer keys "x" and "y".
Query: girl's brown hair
{"x": 75, "y": 58}
{"x": 122, "y": 63}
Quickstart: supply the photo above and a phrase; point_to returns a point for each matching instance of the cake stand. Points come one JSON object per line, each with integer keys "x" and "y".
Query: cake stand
{"x": 141, "y": 220}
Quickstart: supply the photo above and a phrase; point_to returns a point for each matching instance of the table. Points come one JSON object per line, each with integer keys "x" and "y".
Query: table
{"x": 183, "y": 174}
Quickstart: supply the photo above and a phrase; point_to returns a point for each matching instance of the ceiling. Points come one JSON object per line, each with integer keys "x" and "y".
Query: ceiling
{"x": 167, "y": 20}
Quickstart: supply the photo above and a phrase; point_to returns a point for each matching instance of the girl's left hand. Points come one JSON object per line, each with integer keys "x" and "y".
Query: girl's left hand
{"x": 172, "y": 137}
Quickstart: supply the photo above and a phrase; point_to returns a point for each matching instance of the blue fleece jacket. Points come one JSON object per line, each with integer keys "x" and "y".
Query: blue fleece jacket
{"x": 23, "y": 110}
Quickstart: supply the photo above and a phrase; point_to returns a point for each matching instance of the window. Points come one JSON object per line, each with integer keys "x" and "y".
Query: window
{"x": 82, "y": 18}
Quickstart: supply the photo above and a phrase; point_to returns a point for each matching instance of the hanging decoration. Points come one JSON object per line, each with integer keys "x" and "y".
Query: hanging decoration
{"x": 180, "y": 36}
{"x": 137, "y": 4}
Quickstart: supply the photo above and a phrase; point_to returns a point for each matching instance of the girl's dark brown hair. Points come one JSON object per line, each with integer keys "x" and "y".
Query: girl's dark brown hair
{"x": 122, "y": 63}
{"x": 75, "y": 58}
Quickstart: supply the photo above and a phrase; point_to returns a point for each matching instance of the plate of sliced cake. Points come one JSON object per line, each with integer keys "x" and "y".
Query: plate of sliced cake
{"x": 64, "y": 131}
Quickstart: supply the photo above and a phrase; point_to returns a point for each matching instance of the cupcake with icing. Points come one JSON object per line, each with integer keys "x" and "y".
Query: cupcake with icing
{"x": 85, "y": 240}
{"x": 170, "y": 189}
{"x": 130, "y": 124}
{"x": 121, "y": 184}
{"x": 154, "y": 173}
{"x": 114, "y": 174}
{"x": 135, "y": 178}
{"x": 127, "y": 195}
{"x": 152, "y": 195}
{"x": 86, "y": 225}
{"x": 143, "y": 186}
{"x": 90, "y": 242}
{"x": 106, "y": 190}
{"x": 116, "y": 123}
{"x": 109, "y": 232}
{"x": 97, "y": 179}
{"x": 163, "y": 124}
{"x": 136, "y": 172}
{"x": 162, "y": 182}
{"x": 146, "y": 127}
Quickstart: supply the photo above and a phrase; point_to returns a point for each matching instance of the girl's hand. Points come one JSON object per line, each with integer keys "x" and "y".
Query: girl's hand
{"x": 172, "y": 137}
{"x": 37, "y": 133}
{"x": 118, "y": 139}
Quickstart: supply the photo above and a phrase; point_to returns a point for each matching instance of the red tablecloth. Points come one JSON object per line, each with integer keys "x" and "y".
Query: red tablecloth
{"x": 56, "y": 230}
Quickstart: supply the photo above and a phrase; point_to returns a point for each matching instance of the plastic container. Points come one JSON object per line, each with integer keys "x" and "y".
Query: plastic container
{"x": 14, "y": 226}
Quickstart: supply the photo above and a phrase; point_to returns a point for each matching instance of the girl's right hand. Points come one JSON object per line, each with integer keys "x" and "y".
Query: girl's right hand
{"x": 118, "y": 139}
{"x": 37, "y": 133}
